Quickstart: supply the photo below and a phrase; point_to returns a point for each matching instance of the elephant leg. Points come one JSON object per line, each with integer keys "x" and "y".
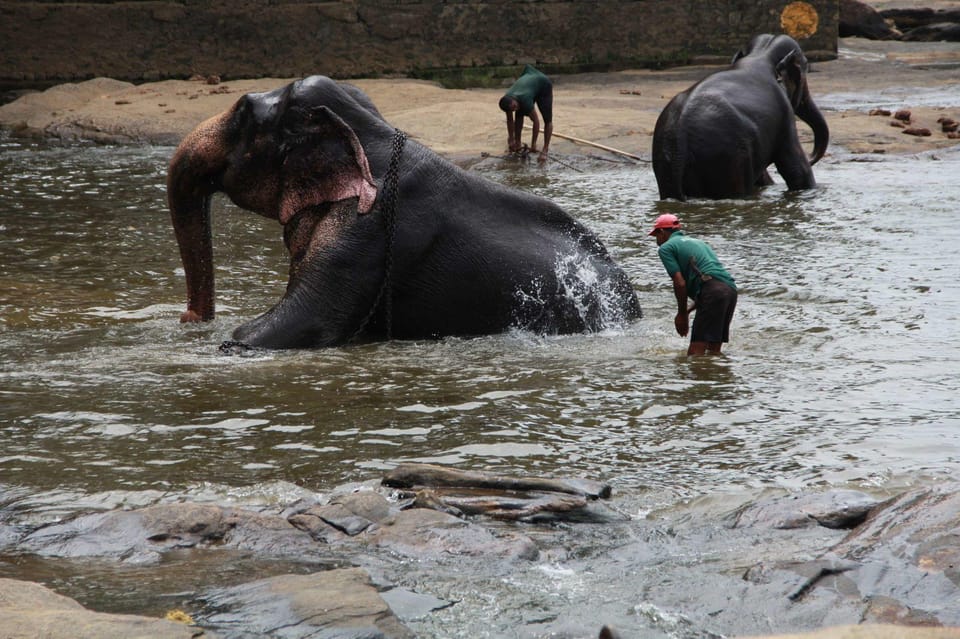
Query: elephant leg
{"x": 792, "y": 164}
{"x": 764, "y": 179}
{"x": 333, "y": 285}
{"x": 727, "y": 177}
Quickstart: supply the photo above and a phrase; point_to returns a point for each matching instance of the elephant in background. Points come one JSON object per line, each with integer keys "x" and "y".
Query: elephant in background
{"x": 386, "y": 238}
{"x": 717, "y": 138}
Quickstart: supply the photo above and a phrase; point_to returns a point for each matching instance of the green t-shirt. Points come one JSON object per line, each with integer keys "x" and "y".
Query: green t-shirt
{"x": 692, "y": 258}
{"x": 528, "y": 87}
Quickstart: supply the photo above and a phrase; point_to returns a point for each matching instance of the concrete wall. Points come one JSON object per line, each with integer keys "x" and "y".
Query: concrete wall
{"x": 47, "y": 42}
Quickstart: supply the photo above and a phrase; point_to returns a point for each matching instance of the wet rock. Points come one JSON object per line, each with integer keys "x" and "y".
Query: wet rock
{"x": 425, "y": 534}
{"x": 904, "y": 115}
{"x": 942, "y": 32}
{"x": 884, "y": 112}
{"x": 335, "y": 603}
{"x": 918, "y": 131}
{"x": 141, "y": 536}
{"x": 837, "y": 509}
{"x": 858, "y": 19}
{"x": 345, "y": 515}
{"x": 948, "y": 125}
{"x": 32, "y": 610}
{"x": 926, "y": 24}
{"x": 890, "y": 611}
{"x": 901, "y": 565}
{"x": 407, "y": 604}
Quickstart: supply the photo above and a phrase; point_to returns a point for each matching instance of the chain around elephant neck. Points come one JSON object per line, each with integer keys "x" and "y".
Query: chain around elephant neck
{"x": 388, "y": 206}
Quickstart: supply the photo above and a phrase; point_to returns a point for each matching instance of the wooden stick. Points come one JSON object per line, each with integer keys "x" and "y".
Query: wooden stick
{"x": 594, "y": 144}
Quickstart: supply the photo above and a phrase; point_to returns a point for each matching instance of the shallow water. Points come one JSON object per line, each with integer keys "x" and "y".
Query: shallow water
{"x": 842, "y": 369}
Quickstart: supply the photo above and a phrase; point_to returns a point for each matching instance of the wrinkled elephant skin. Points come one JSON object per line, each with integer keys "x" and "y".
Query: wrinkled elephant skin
{"x": 443, "y": 252}
{"x": 717, "y": 138}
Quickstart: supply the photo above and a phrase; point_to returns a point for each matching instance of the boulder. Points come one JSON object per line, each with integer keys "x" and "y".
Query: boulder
{"x": 858, "y": 19}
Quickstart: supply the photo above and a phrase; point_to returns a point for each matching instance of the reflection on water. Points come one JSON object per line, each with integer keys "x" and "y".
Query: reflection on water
{"x": 842, "y": 368}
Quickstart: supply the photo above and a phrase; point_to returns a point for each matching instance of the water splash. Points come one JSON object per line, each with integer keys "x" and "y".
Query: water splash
{"x": 595, "y": 298}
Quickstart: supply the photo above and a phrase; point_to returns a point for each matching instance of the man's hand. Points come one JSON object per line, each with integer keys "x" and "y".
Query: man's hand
{"x": 681, "y": 323}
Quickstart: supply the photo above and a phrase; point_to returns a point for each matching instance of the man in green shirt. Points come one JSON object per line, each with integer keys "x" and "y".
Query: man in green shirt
{"x": 531, "y": 87}
{"x": 696, "y": 274}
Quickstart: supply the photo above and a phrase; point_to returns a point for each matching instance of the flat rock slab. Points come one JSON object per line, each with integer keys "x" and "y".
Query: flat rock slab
{"x": 142, "y": 536}
{"x": 29, "y": 610}
{"x": 335, "y": 603}
{"x": 838, "y": 509}
{"x": 432, "y": 535}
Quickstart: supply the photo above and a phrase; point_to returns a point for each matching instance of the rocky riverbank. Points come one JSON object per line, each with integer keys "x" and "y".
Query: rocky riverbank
{"x": 885, "y": 568}
{"x": 618, "y": 110}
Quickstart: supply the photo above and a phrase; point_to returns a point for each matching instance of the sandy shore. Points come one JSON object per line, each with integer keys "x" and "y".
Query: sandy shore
{"x": 618, "y": 109}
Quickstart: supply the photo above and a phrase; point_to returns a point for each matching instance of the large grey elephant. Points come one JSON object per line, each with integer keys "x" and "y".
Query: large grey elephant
{"x": 386, "y": 238}
{"x": 717, "y": 138}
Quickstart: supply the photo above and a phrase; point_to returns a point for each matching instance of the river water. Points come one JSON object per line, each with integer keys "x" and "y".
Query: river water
{"x": 842, "y": 372}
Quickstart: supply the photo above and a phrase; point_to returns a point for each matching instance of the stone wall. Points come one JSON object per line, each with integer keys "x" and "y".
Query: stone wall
{"x": 47, "y": 42}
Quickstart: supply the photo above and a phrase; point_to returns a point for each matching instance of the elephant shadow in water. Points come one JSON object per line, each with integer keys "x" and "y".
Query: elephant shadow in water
{"x": 386, "y": 238}
{"x": 717, "y": 138}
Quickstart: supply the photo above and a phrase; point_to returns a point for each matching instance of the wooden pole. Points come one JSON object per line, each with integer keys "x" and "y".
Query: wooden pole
{"x": 593, "y": 144}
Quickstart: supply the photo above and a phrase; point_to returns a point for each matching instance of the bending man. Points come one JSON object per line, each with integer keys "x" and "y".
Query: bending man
{"x": 532, "y": 87}
{"x": 697, "y": 274}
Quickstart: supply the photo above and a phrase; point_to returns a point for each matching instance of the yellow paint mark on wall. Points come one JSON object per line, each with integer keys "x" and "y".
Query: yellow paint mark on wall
{"x": 799, "y": 20}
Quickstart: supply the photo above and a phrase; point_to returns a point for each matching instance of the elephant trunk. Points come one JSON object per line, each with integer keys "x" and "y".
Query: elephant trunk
{"x": 809, "y": 113}
{"x": 191, "y": 181}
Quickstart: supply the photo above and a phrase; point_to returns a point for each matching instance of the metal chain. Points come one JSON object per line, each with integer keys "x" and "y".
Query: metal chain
{"x": 388, "y": 207}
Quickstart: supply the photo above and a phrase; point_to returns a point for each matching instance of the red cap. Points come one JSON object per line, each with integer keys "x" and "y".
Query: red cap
{"x": 665, "y": 221}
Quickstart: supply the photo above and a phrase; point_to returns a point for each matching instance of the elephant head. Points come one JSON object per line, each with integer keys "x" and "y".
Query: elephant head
{"x": 275, "y": 154}
{"x": 387, "y": 239}
{"x": 790, "y": 66}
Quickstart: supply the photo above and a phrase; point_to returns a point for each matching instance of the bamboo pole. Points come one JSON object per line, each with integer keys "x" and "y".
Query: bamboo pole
{"x": 593, "y": 144}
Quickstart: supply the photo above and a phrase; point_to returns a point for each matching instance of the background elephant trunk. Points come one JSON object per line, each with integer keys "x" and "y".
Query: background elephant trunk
{"x": 809, "y": 113}
{"x": 191, "y": 180}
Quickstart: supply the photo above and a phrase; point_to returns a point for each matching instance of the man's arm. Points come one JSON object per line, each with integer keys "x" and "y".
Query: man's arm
{"x": 513, "y": 142}
{"x": 681, "y": 321}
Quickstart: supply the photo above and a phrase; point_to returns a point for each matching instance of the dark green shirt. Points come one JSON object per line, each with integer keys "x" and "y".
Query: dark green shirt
{"x": 528, "y": 88}
{"x": 693, "y": 259}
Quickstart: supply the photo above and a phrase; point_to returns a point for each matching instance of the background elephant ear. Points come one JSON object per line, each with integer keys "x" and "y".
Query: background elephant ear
{"x": 323, "y": 161}
{"x": 790, "y": 72}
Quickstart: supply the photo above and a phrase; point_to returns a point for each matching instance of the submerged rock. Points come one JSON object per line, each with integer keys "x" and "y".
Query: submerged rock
{"x": 900, "y": 564}
{"x": 143, "y": 535}
{"x": 837, "y": 509}
{"x": 424, "y": 534}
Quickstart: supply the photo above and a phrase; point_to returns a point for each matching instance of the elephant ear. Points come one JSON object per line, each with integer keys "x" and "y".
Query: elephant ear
{"x": 323, "y": 162}
{"x": 790, "y": 71}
